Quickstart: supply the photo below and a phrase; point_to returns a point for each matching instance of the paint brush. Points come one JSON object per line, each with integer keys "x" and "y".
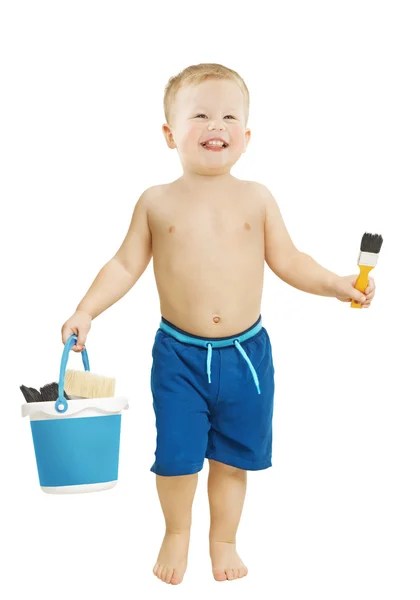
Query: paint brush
{"x": 369, "y": 249}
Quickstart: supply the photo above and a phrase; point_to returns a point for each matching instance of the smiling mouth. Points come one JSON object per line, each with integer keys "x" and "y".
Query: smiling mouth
{"x": 217, "y": 146}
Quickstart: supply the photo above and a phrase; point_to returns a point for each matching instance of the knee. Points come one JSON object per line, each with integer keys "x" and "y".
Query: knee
{"x": 218, "y": 467}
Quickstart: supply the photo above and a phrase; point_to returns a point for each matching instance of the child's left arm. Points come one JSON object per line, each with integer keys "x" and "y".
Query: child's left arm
{"x": 299, "y": 269}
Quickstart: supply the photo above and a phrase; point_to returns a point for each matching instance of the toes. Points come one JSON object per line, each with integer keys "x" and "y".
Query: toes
{"x": 176, "y": 578}
{"x": 219, "y": 575}
{"x": 159, "y": 571}
{"x": 167, "y": 575}
{"x": 230, "y": 574}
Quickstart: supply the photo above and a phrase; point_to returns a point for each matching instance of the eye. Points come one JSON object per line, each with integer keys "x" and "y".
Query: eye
{"x": 203, "y": 115}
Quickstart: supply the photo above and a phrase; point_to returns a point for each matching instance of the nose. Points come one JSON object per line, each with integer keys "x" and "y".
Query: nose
{"x": 213, "y": 125}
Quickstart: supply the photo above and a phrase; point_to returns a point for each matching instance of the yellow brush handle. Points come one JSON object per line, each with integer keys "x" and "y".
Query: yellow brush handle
{"x": 361, "y": 283}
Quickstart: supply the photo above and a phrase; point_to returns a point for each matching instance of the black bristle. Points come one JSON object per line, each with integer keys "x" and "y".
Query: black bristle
{"x": 371, "y": 242}
{"x": 49, "y": 392}
{"x": 36, "y": 395}
{"x": 30, "y": 394}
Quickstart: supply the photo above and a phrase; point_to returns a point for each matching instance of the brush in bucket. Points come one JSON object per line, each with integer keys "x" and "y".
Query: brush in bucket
{"x": 76, "y": 440}
{"x": 47, "y": 393}
{"x": 84, "y": 384}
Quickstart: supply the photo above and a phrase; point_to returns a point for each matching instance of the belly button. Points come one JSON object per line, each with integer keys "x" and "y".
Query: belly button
{"x": 216, "y": 319}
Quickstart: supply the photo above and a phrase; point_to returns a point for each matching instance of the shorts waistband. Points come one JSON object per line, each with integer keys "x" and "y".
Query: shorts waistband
{"x": 188, "y": 338}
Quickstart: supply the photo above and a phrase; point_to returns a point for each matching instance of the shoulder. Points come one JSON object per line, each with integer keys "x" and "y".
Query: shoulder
{"x": 149, "y": 197}
{"x": 259, "y": 189}
{"x": 262, "y": 194}
{"x": 149, "y": 194}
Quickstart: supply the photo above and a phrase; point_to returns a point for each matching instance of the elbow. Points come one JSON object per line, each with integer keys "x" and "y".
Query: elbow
{"x": 135, "y": 268}
{"x": 283, "y": 263}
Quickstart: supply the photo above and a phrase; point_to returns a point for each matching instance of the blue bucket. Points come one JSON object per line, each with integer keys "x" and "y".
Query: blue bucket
{"x": 76, "y": 441}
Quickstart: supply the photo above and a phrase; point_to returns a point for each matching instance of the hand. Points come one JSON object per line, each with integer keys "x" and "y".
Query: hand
{"x": 345, "y": 291}
{"x": 78, "y": 324}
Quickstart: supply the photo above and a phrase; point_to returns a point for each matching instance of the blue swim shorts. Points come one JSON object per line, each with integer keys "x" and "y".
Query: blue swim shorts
{"x": 213, "y": 398}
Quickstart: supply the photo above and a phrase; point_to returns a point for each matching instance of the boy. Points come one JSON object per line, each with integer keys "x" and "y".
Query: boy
{"x": 212, "y": 376}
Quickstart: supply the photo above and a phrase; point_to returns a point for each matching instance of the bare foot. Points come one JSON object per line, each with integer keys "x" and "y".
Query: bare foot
{"x": 226, "y": 562}
{"x": 172, "y": 560}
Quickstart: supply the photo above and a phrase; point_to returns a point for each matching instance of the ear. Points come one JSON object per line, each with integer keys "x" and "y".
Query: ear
{"x": 247, "y": 138}
{"x": 167, "y": 132}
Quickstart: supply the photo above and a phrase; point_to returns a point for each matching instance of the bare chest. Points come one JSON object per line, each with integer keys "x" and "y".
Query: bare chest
{"x": 180, "y": 219}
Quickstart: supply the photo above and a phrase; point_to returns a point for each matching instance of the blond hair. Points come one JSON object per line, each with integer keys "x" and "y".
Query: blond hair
{"x": 196, "y": 74}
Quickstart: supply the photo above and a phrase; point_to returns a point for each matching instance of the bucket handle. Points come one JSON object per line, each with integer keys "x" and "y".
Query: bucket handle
{"x": 61, "y": 404}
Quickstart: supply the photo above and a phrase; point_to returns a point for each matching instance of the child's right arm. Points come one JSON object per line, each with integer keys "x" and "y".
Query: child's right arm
{"x": 116, "y": 277}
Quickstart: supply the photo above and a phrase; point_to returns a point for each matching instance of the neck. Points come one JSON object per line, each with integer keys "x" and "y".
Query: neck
{"x": 204, "y": 181}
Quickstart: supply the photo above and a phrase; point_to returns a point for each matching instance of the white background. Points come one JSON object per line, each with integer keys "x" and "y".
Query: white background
{"x": 335, "y": 136}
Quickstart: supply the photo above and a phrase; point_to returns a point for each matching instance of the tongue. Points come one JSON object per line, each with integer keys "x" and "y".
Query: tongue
{"x": 213, "y": 147}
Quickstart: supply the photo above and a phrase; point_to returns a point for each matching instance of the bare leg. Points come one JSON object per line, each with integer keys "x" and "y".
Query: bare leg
{"x": 176, "y": 495}
{"x": 226, "y": 490}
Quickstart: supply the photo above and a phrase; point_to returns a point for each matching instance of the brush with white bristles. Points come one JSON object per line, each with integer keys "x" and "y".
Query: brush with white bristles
{"x": 85, "y": 384}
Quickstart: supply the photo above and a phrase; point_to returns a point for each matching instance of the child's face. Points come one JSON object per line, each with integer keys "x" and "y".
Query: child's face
{"x": 214, "y": 108}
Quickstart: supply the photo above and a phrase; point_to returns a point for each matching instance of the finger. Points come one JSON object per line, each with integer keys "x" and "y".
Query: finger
{"x": 80, "y": 344}
{"x": 64, "y": 334}
{"x": 81, "y": 340}
{"x": 371, "y": 285}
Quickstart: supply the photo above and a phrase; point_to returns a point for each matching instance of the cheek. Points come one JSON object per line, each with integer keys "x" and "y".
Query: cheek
{"x": 189, "y": 137}
{"x": 237, "y": 138}
{"x": 186, "y": 136}
{"x": 193, "y": 135}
